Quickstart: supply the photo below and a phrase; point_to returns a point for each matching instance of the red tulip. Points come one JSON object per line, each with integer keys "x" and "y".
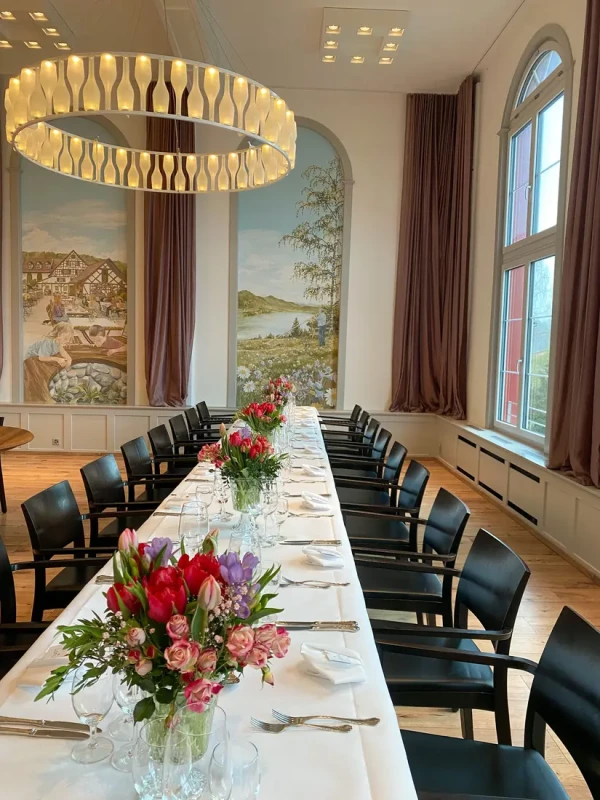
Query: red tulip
{"x": 166, "y": 594}
{"x": 197, "y": 569}
{"x": 128, "y": 599}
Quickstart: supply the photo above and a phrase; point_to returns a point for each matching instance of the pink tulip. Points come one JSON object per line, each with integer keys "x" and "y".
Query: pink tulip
{"x": 257, "y": 657}
{"x": 280, "y": 645}
{"x": 135, "y": 637}
{"x": 178, "y": 627}
{"x": 207, "y": 660}
{"x": 143, "y": 667}
{"x": 240, "y": 642}
{"x": 127, "y": 540}
{"x": 209, "y": 594}
{"x": 182, "y": 655}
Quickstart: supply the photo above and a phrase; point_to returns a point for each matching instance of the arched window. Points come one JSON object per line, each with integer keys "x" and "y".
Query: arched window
{"x": 531, "y": 237}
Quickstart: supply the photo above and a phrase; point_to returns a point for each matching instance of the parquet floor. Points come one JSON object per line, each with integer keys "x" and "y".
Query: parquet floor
{"x": 553, "y": 584}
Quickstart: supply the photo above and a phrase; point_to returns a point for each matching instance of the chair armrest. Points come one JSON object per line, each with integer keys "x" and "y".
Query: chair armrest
{"x": 134, "y": 505}
{"x": 62, "y": 563}
{"x": 367, "y": 483}
{"x": 348, "y": 434}
{"x": 135, "y": 479}
{"x": 381, "y": 627}
{"x": 176, "y": 457}
{"x": 352, "y": 459}
{"x": 76, "y": 551}
{"x": 449, "y": 654}
{"x": 405, "y": 566}
{"x": 9, "y": 627}
{"x": 142, "y": 513}
{"x": 366, "y": 510}
{"x": 382, "y": 551}
{"x": 352, "y": 509}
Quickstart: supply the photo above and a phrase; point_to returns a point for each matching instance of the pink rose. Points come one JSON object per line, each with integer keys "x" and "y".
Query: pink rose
{"x": 207, "y": 660}
{"x": 178, "y": 627}
{"x": 127, "y": 540}
{"x": 240, "y": 642}
{"x": 143, "y": 667}
{"x": 257, "y": 657}
{"x": 182, "y": 655}
{"x": 199, "y": 693}
{"x": 135, "y": 637}
{"x": 281, "y": 643}
{"x": 265, "y": 635}
{"x": 209, "y": 594}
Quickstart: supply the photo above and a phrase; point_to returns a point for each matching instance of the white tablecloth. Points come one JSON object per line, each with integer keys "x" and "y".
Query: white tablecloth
{"x": 366, "y": 764}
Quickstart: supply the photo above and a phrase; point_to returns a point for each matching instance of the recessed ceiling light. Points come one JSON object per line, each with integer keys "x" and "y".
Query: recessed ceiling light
{"x": 396, "y": 32}
{"x": 38, "y": 16}
{"x": 7, "y": 15}
{"x": 333, "y": 29}
{"x": 390, "y": 47}
{"x": 386, "y": 60}
{"x": 33, "y": 45}
{"x": 5, "y": 43}
{"x": 331, "y": 44}
{"x": 329, "y": 59}
{"x": 364, "y": 30}
{"x": 51, "y": 32}
{"x": 357, "y": 60}
{"x": 61, "y": 46}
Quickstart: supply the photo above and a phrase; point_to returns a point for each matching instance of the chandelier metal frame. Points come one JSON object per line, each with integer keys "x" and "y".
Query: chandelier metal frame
{"x": 104, "y": 84}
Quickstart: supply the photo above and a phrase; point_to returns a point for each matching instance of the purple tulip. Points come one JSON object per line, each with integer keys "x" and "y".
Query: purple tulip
{"x": 154, "y": 548}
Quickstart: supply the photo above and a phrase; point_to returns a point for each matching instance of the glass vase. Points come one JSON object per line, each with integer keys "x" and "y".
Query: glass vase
{"x": 246, "y": 499}
{"x": 200, "y": 734}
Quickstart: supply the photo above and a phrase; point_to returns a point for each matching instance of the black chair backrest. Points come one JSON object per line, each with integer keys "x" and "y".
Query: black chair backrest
{"x": 160, "y": 441}
{"x": 371, "y": 431}
{"x": 565, "y": 694}
{"x": 179, "y": 429}
{"x": 103, "y": 482}
{"x": 203, "y": 411}
{"x": 362, "y": 421}
{"x": 193, "y": 420}
{"x": 356, "y": 412}
{"x": 381, "y": 443}
{"x": 413, "y": 485}
{"x": 137, "y": 457}
{"x": 8, "y": 600}
{"x": 445, "y": 524}
{"x": 394, "y": 462}
{"x": 491, "y": 585}
{"x": 53, "y": 519}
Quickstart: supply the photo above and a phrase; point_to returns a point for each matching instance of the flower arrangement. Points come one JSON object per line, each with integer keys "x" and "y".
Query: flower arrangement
{"x": 178, "y": 628}
{"x": 262, "y": 418}
{"x": 280, "y": 390}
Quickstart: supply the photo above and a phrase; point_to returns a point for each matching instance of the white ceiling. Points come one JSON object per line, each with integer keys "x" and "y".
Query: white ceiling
{"x": 277, "y": 42}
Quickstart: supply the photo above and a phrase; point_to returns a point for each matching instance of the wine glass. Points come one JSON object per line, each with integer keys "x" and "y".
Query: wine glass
{"x": 205, "y": 491}
{"x": 222, "y": 495}
{"x": 193, "y": 526}
{"x": 92, "y": 703}
{"x": 269, "y": 498}
{"x": 126, "y": 697}
{"x": 234, "y": 771}
{"x": 281, "y": 513}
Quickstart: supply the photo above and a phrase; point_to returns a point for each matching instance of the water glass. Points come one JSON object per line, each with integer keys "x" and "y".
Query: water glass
{"x": 204, "y": 732}
{"x": 205, "y": 491}
{"x": 123, "y": 728}
{"x": 281, "y": 513}
{"x": 162, "y": 762}
{"x": 92, "y": 703}
{"x": 193, "y": 526}
{"x": 222, "y": 495}
{"x": 235, "y": 771}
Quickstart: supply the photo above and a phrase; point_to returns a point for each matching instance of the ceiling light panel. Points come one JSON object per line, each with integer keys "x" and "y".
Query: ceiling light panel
{"x": 32, "y": 45}
{"x": 4, "y": 44}
{"x": 38, "y": 16}
{"x": 62, "y": 46}
{"x": 365, "y": 34}
{"x": 51, "y": 31}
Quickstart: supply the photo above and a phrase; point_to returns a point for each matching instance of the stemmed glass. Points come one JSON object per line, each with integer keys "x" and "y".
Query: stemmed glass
{"x": 281, "y": 513}
{"x": 193, "y": 526}
{"x": 222, "y": 495}
{"x": 126, "y": 698}
{"x": 92, "y": 703}
{"x": 269, "y": 498}
{"x": 234, "y": 771}
{"x": 205, "y": 491}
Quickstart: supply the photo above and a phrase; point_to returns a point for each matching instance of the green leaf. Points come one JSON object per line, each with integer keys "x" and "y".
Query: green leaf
{"x": 198, "y": 625}
{"x": 122, "y": 607}
{"x": 158, "y": 559}
{"x": 264, "y": 612}
{"x": 116, "y": 571}
{"x": 146, "y": 685}
{"x": 166, "y": 694}
{"x": 144, "y": 709}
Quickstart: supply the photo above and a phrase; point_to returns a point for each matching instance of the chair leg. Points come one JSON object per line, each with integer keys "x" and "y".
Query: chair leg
{"x": 37, "y": 611}
{"x": 502, "y": 712}
{"x": 2, "y": 494}
{"x": 466, "y": 723}
{"x": 420, "y": 618}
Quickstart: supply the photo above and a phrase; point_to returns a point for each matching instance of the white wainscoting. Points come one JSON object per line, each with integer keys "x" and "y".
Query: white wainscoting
{"x": 562, "y": 512}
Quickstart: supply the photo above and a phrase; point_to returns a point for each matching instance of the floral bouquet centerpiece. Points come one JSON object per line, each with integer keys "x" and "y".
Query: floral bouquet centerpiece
{"x": 178, "y": 628}
{"x": 262, "y": 418}
{"x": 280, "y": 391}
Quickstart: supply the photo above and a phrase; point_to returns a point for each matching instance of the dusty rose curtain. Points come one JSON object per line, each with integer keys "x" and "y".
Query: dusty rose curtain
{"x": 430, "y": 331}
{"x": 170, "y": 274}
{"x": 575, "y": 431}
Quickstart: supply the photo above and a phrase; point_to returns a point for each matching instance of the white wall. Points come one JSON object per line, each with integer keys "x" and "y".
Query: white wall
{"x": 496, "y": 72}
{"x": 371, "y": 128}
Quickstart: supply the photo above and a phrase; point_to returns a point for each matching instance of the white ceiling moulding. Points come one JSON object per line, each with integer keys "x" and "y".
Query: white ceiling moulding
{"x": 362, "y": 36}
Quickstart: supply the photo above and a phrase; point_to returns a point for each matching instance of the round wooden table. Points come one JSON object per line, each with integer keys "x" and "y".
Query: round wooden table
{"x": 9, "y": 439}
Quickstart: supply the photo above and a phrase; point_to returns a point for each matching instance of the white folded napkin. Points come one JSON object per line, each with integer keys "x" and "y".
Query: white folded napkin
{"x": 315, "y": 502}
{"x": 323, "y": 556}
{"x": 338, "y": 666}
{"x": 41, "y": 667}
{"x": 315, "y": 472}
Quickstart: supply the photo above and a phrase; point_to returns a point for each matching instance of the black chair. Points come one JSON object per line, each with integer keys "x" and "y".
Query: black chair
{"x": 105, "y": 489}
{"x": 341, "y": 442}
{"x": 390, "y": 526}
{"x": 208, "y": 419}
{"x": 377, "y": 491}
{"x": 345, "y": 454}
{"x": 348, "y": 421}
{"x": 54, "y": 523}
{"x": 352, "y": 430}
{"x": 139, "y": 467}
{"x": 386, "y": 585}
{"x": 165, "y": 452}
{"x": 353, "y": 466}
{"x": 490, "y": 586}
{"x": 565, "y": 694}
{"x": 189, "y": 442}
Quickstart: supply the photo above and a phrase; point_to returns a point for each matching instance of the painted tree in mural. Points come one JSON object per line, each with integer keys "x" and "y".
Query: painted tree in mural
{"x": 319, "y": 238}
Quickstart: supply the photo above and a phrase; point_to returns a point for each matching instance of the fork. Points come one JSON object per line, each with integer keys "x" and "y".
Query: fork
{"x": 278, "y": 727}
{"x": 312, "y": 583}
{"x": 371, "y": 721}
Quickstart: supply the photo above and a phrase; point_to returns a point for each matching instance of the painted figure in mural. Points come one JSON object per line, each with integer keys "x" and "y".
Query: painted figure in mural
{"x": 99, "y": 337}
{"x": 56, "y": 310}
{"x": 51, "y": 348}
{"x": 322, "y": 327}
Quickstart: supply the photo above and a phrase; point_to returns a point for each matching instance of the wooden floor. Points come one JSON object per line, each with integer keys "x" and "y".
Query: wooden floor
{"x": 553, "y": 584}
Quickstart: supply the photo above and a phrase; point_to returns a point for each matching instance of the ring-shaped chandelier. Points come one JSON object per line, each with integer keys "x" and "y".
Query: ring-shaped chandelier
{"x": 200, "y": 93}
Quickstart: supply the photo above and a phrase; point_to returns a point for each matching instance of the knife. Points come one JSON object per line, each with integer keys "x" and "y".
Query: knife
{"x": 47, "y": 723}
{"x": 323, "y": 542}
{"x": 43, "y": 733}
{"x": 346, "y": 626}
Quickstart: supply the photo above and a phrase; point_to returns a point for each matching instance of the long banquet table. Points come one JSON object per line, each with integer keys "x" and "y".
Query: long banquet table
{"x": 366, "y": 764}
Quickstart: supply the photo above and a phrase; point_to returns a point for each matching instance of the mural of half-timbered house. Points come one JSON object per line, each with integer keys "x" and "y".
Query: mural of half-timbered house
{"x": 100, "y": 279}
{"x": 63, "y": 276}
{"x": 36, "y": 271}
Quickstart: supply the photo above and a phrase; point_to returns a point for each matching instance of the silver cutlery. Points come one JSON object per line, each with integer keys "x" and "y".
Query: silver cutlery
{"x": 47, "y": 723}
{"x": 348, "y": 626}
{"x": 312, "y": 583}
{"x": 308, "y": 516}
{"x": 320, "y": 542}
{"x": 278, "y": 727}
{"x": 299, "y": 494}
{"x": 43, "y": 733}
{"x": 286, "y": 718}
{"x": 104, "y": 579}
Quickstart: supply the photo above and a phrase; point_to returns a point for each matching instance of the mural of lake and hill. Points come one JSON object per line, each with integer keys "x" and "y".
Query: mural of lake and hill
{"x": 289, "y": 277}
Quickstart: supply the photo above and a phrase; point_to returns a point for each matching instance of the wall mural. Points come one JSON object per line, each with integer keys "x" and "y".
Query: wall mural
{"x": 74, "y": 274}
{"x": 289, "y": 277}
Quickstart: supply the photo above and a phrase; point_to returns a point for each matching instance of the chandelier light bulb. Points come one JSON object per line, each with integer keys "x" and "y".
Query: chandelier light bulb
{"x": 87, "y": 165}
{"x": 108, "y": 76}
{"x": 125, "y": 96}
{"x": 178, "y": 82}
{"x": 195, "y": 99}
{"x": 143, "y": 76}
{"x": 213, "y": 167}
{"x": 76, "y": 148}
{"x": 37, "y": 101}
{"x": 91, "y": 90}
{"x": 62, "y": 96}
{"x": 240, "y": 96}
{"x": 160, "y": 95}
{"x": 145, "y": 163}
{"x": 75, "y": 74}
{"x": 212, "y": 84}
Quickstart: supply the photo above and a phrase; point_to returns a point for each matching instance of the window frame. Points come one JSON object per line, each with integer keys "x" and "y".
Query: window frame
{"x": 536, "y": 246}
